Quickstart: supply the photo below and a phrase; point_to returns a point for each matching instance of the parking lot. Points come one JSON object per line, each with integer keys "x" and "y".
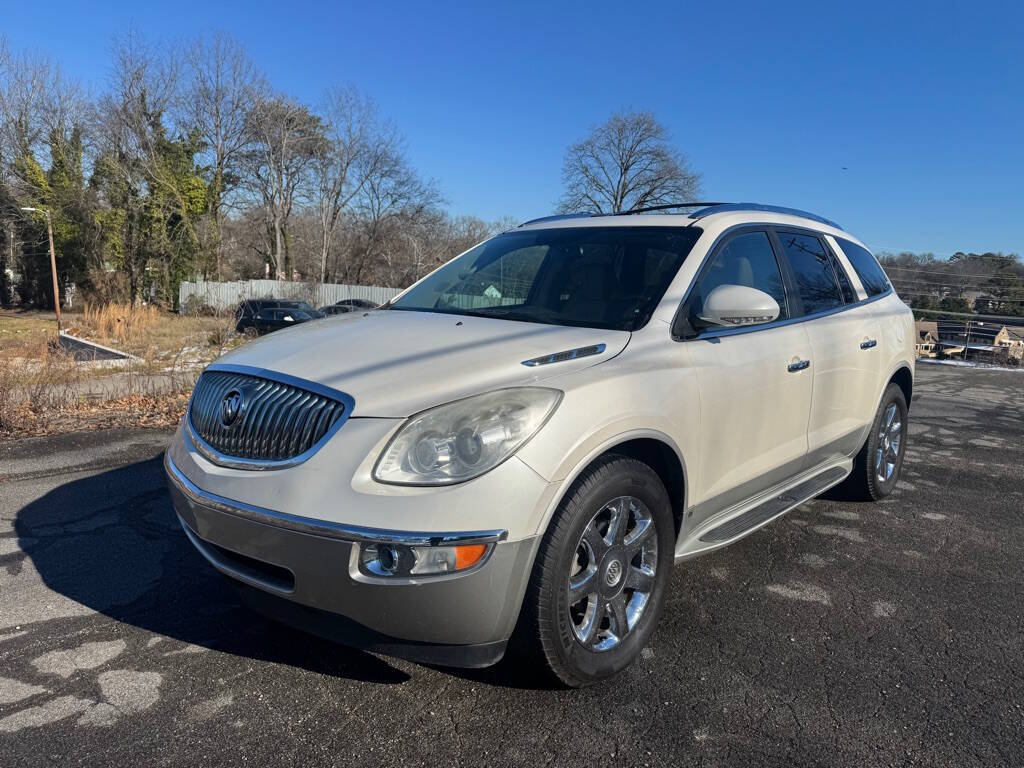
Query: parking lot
{"x": 843, "y": 634}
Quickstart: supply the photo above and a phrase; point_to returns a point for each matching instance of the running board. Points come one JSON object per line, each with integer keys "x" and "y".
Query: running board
{"x": 774, "y": 507}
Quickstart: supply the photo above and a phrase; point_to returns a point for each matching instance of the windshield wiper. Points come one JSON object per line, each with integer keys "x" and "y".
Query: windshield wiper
{"x": 501, "y": 313}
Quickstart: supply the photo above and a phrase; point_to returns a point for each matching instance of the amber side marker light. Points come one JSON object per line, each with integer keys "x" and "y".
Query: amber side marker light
{"x": 468, "y": 555}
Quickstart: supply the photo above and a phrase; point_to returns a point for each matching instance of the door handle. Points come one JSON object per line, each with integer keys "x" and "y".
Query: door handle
{"x": 799, "y": 365}
{"x": 868, "y": 344}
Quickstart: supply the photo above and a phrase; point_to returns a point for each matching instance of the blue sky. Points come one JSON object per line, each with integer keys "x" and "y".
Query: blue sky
{"x": 922, "y": 103}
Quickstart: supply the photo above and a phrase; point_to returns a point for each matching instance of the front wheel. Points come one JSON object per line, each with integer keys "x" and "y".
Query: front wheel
{"x": 876, "y": 469}
{"x": 601, "y": 572}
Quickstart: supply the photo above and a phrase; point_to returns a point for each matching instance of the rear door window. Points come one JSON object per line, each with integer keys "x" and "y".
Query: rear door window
{"x": 815, "y": 278}
{"x": 871, "y": 275}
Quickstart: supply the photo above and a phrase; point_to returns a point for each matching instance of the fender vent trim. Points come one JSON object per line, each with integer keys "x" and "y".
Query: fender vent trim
{"x": 569, "y": 354}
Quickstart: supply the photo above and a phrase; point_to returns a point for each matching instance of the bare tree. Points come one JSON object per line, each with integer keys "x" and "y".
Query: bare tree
{"x": 625, "y": 163}
{"x": 222, "y": 85}
{"x": 356, "y": 147}
{"x": 394, "y": 198}
{"x": 23, "y": 87}
{"x": 285, "y": 138}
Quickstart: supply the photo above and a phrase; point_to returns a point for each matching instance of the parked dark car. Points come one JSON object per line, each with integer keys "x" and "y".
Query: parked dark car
{"x": 334, "y": 309}
{"x": 274, "y": 319}
{"x": 354, "y": 304}
{"x": 348, "y": 305}
{"x": 246, "y": 312}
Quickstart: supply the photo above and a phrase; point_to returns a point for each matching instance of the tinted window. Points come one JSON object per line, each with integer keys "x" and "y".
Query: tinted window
{"x": 849, "y": 296}
{"x": 812, "y": 269}
{"x": 864, "y": 264}
{"x": 598, "y": 277}
{"x": 746, "y": 259}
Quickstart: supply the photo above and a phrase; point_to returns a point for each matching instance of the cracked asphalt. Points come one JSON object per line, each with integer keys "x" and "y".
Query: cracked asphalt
{"x": 843, "y": 634}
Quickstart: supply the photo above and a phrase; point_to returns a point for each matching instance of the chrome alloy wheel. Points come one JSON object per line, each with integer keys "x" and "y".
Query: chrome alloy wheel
{"x": 612, "y": 574}
{"x": 889, "y": 437}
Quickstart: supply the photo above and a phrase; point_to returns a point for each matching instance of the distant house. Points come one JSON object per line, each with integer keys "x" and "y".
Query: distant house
{"x": 926, "y": 342}
{"x": 977, "y": 338}
{"x": 1010, "y": 336}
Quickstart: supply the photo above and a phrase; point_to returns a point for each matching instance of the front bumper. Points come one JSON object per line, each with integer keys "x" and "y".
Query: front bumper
{"x": 305, "y": 573}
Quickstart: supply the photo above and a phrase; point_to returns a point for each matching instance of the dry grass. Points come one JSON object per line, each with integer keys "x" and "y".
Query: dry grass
{"x": 54, "y": 395}
{"x": 160, "y": 338}
{"x": 43, "y": 390}
{"x": 120, "y": 323}
{"x": 8, "y": 400}
{"x": 24, "y": 335}
{"x": 32, "y": 394}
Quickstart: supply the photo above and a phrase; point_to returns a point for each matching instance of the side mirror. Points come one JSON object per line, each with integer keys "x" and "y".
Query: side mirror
{"x": 737, "y": 305}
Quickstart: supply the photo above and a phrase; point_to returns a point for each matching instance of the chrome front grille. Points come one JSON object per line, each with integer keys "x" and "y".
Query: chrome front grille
{"x": 260, "y": 420}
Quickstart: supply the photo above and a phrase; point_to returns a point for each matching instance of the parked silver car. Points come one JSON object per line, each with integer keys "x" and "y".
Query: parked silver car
{"x": 524, "y": 442}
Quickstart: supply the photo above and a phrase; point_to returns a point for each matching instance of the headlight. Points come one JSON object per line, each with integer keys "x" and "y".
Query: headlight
{"x": 462, "y": 440}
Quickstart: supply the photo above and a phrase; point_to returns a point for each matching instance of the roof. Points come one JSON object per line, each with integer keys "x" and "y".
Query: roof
{"x": 979, "y": 329}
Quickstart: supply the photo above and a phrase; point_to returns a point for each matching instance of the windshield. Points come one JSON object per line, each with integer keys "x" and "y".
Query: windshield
{"x": 597, "y": 277}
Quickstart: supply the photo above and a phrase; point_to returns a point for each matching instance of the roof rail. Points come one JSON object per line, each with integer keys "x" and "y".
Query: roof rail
{"x": 706, "y": 209}
{"x": 665, "y": 207}
{"x": 558, "y": 217}
{"x": 727, "y": 207}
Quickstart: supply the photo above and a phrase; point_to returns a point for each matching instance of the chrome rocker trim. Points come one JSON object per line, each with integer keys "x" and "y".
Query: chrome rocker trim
{"x": 324, "y": 528}
{"x": 237, "y": 462}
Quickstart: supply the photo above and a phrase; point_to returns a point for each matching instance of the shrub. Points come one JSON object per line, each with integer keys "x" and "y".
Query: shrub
{"x": 8, "y": 399}
{"x": 196, "y": 307}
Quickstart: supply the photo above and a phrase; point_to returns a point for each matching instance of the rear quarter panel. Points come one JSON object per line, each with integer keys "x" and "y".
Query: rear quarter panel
{"x": 896, "y": 331}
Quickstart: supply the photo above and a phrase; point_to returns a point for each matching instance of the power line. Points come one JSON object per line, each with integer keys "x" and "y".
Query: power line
{"x": 994, "y": 300}
{"x": 911, "y": 285}
{"x": 925, "y": 270}
{"x": 1000, "y": 318}
{"x": 969, "y": 287}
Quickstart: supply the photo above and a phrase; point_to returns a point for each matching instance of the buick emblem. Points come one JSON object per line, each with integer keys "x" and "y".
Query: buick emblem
{"x": 614, "y": 573}
{"x": 230, "y": 407}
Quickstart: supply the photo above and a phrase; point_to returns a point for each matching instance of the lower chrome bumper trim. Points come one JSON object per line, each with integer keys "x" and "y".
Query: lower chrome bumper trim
{"x": 323, "y": 528}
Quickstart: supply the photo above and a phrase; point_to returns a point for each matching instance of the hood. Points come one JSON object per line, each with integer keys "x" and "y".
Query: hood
{"x": 395, "y": 363}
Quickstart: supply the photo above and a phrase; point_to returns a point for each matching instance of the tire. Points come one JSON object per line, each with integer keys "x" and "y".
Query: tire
{"x": 872, "y": 479}
{"x": 580, "y": 642}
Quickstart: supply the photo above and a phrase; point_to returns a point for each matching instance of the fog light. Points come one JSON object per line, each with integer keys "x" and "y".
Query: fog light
{"x": 402, "y": 560}
{"x": 388, "y": 558}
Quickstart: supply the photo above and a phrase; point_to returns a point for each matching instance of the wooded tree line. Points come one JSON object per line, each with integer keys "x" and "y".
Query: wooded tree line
{"x": 986, "y": 283}
{"x": 190, "y": 164}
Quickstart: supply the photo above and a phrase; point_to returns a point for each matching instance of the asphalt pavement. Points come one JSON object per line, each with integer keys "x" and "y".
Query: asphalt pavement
{"x": 843, "y": 634}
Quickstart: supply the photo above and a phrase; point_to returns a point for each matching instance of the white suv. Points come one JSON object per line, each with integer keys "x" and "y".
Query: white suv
{"x": 523, "y": 443}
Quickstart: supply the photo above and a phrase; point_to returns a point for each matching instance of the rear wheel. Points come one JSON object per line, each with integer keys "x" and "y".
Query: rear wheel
{"x": 601, "y": 572}
{"x": 877, "y": 467}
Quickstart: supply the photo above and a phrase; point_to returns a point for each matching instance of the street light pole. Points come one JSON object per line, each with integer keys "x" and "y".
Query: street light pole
{"x": 53, "y": 261}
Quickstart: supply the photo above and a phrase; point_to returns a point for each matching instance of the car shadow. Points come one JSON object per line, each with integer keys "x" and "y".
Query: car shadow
{"x": 112, "y": 543}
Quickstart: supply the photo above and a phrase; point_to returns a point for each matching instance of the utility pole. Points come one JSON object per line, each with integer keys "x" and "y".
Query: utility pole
{"x": 53, "y": 261}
